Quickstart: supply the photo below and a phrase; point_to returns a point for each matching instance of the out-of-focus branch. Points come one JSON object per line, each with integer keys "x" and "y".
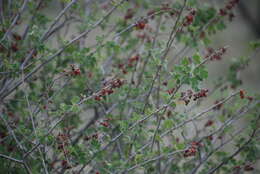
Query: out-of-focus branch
{"x": 254, "y": 25}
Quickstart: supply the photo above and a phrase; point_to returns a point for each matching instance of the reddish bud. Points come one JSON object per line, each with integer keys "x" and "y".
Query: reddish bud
{"x": 98, "y": 98}
{"x": 124, "y": 71}
{"x": 189, "y": 19}
{"x": 222, "y": 12}
{"x": 165, "y": 83}
{"x": 95, "y": 136}
{"x": 140, "y": 25}
{"x": 210, "y": 137}
{"x": 87, "y": 138}
{"x": 76, "y": 72}
{"x": 242, "y": 94}
{"x": 248, "y": 167}
{"x": 17, "y": 37}
{"x": 250, "y": 98}
{"x": 105, "y": 124}
{"x": 14, "y": 47}
{"x": 209, "y": 123}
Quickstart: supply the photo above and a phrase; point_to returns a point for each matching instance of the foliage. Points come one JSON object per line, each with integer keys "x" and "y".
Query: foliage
{"x": 119, "y": 87}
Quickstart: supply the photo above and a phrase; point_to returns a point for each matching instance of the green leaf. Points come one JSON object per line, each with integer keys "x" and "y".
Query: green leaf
{"x": 196, "y": 58}
{"x": 203, "y": 73}
{"x": 123, "y": 125}
{"x": 75, "y": 100}
{"x": 180, "y": 146}
{"x": 75, "y": 108}
{"x": 168, "y": 124}
{"x": 64, "y": 107}
{"x": 185, "y": 61}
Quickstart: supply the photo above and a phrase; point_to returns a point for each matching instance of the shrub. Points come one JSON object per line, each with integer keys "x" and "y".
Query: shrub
{"x": 131, "y": 100}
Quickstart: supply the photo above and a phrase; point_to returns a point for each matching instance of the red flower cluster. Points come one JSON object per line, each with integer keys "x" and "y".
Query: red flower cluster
{"x": 105, "y": 122}
{"x": 132, "y": 60}
{"x": 243, "y": 96}
{"x": 130, "y": 63}
{"x": 248, "y": 167}
{"x": 189, "y": 18}
{"x": 74, "y": 71}
{"x": 215, "y": 55}
{"x": 109, "y": 88}
{"x": 140, "y": 25}
{"x": 227, "y": 9}
{"x": 193, "y": 149}
{"x": 94, "y": 136}
{"x": 63, "y": 140}
{"x": 188, "y": 95}
{"x": 200, "y": 94}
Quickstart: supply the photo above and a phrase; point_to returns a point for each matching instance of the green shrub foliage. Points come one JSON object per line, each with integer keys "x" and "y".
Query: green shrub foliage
{"x": 121, "y": 87}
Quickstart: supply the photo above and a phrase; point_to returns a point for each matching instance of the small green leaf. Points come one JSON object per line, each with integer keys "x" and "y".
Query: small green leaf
{"x": 75, "y": 108}
{"x": 168, "y": 124}
{"x": 180, "y": 146}
{"x": 75, "y": 100}
{"x": 185, "y": 61}
{"x": 196, "y": 58}
{"x": 64, "y": 107}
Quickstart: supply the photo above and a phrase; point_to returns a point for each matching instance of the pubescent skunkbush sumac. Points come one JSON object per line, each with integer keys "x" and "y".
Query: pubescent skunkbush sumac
{"x": 119, "y": 87}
